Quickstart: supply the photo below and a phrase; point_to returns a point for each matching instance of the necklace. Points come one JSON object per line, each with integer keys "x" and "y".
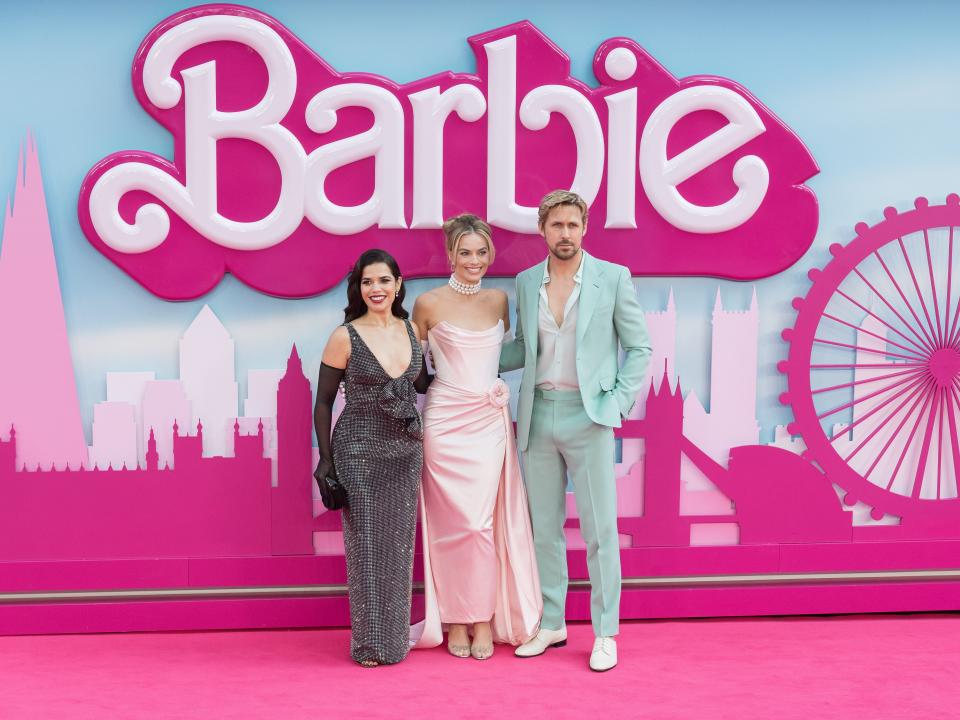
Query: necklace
{"x": 463, "y": 288}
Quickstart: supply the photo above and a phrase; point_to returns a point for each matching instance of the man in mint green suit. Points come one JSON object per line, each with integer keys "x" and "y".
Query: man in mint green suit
{"x": 574, "y": 313}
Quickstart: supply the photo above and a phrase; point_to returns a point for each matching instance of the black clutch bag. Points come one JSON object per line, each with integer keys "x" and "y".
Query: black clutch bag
{"x": 332, "y": 493}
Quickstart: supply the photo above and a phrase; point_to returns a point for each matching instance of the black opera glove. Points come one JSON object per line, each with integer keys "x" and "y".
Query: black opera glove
{"x": 332, "y": 493}
{"x": 423, "y": 379}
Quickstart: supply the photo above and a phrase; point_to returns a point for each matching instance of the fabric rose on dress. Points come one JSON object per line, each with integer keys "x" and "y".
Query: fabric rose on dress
{"x": 398, "y": 398}
{"x": 499, "y": 393}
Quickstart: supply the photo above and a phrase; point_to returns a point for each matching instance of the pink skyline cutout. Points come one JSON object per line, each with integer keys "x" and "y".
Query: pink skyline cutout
{"x": 196, "y": 507}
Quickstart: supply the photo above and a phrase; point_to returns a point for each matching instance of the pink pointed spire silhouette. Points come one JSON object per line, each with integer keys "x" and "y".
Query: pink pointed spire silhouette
{"x": 38, "y": 391}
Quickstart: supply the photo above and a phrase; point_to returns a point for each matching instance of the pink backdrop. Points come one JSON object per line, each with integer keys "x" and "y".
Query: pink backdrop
{"x": 183, "y": 491}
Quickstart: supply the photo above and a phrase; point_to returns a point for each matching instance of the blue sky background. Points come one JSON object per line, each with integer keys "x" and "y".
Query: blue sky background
{"x": 870, "y": 87}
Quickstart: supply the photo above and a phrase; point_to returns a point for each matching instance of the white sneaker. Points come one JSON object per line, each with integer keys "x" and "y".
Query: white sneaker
{"x": 604, "y": 655}
{"x": 543, "y": 640}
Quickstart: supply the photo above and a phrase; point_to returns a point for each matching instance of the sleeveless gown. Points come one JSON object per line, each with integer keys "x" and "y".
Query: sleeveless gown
{"x": 378, "y": 453}
{"x": 478, "y": 555}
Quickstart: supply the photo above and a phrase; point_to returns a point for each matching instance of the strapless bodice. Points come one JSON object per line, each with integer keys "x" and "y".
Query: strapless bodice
{"x": 468, "y": 359}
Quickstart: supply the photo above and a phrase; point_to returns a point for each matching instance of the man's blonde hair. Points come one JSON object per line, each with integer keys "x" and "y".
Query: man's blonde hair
{"x": 556, "y": 199}
{"x": 464, "y": 224}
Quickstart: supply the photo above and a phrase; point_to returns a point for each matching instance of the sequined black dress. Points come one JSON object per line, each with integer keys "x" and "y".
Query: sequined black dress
{"x": 378, "y": 453}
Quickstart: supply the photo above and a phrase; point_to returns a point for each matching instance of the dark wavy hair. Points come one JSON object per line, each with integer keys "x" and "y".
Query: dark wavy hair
{"x": 356, "y": 307}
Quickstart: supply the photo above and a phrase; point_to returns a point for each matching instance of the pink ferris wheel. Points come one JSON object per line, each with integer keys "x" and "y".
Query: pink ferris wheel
{"x": 873, "y": 369}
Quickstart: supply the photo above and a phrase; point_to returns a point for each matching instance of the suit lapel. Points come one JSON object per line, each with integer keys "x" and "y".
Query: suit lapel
{"x": 531, "y": 307}
{"x": 589, "y": 293}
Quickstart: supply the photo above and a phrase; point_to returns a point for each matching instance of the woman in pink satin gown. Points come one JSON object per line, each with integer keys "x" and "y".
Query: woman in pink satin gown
{"x": 480, "y": 573}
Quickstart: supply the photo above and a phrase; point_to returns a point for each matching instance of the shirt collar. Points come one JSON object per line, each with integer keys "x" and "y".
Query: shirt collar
{"x": 577, "y": 278}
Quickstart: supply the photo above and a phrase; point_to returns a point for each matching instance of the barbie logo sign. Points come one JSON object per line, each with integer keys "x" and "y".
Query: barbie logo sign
{"x": 284, "y": 168}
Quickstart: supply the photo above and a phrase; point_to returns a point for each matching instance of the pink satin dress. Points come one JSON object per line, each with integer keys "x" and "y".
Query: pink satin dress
{"x": 478, "y": 555}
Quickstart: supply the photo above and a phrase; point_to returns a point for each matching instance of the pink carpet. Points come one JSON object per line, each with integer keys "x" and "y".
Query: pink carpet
{"x": 814, "y": 668}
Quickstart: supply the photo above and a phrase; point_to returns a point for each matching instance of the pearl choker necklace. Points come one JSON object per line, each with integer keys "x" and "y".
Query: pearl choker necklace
{"x": 463, "y": 288}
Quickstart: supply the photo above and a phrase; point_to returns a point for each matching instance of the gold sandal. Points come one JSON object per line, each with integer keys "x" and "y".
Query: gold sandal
{"x": 481, "y": 653}
{"x": 460, "y": 651}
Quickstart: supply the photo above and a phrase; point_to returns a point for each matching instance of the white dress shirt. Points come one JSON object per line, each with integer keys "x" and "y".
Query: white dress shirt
{"x": 557, "y": 345}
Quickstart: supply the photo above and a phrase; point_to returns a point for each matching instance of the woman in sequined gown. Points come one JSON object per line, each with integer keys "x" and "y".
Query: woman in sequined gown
{"x": 480, "y": 572}
{"x": 376, "y": 453}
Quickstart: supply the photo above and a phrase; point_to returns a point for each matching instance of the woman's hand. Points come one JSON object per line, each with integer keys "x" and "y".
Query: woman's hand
{"x": 323, "y": 470}
{"x": 332, "y": 493}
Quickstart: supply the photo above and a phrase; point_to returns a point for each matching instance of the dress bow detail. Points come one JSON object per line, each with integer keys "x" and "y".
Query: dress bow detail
{"x": 397, "y": 398}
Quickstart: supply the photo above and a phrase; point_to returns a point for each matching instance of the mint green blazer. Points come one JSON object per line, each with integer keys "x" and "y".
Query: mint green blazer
{"x": 609, "y": 317}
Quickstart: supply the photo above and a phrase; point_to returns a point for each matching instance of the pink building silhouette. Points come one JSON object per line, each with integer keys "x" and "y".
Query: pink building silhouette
{"x": 733, "y": 373}
{"x": 207, "y": 371}
{"x": 128, "y": 387}
{"x": 292, "y": 499}
{"x": 164, "y": 404}
{"x": 662, "y": 327}
{"x": 114, "y": 435}
{"x": 38, "y": 391}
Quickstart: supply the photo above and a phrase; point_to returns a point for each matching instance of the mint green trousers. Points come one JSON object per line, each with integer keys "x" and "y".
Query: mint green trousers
{"x": 564, "y": 439}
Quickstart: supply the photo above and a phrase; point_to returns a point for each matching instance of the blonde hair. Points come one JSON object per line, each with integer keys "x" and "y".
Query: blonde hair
{"x": 556, "y": 199}
{"x": 465, "y": 224}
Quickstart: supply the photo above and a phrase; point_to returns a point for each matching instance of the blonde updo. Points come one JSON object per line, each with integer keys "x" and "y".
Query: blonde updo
{"x": 464, "y": 224}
